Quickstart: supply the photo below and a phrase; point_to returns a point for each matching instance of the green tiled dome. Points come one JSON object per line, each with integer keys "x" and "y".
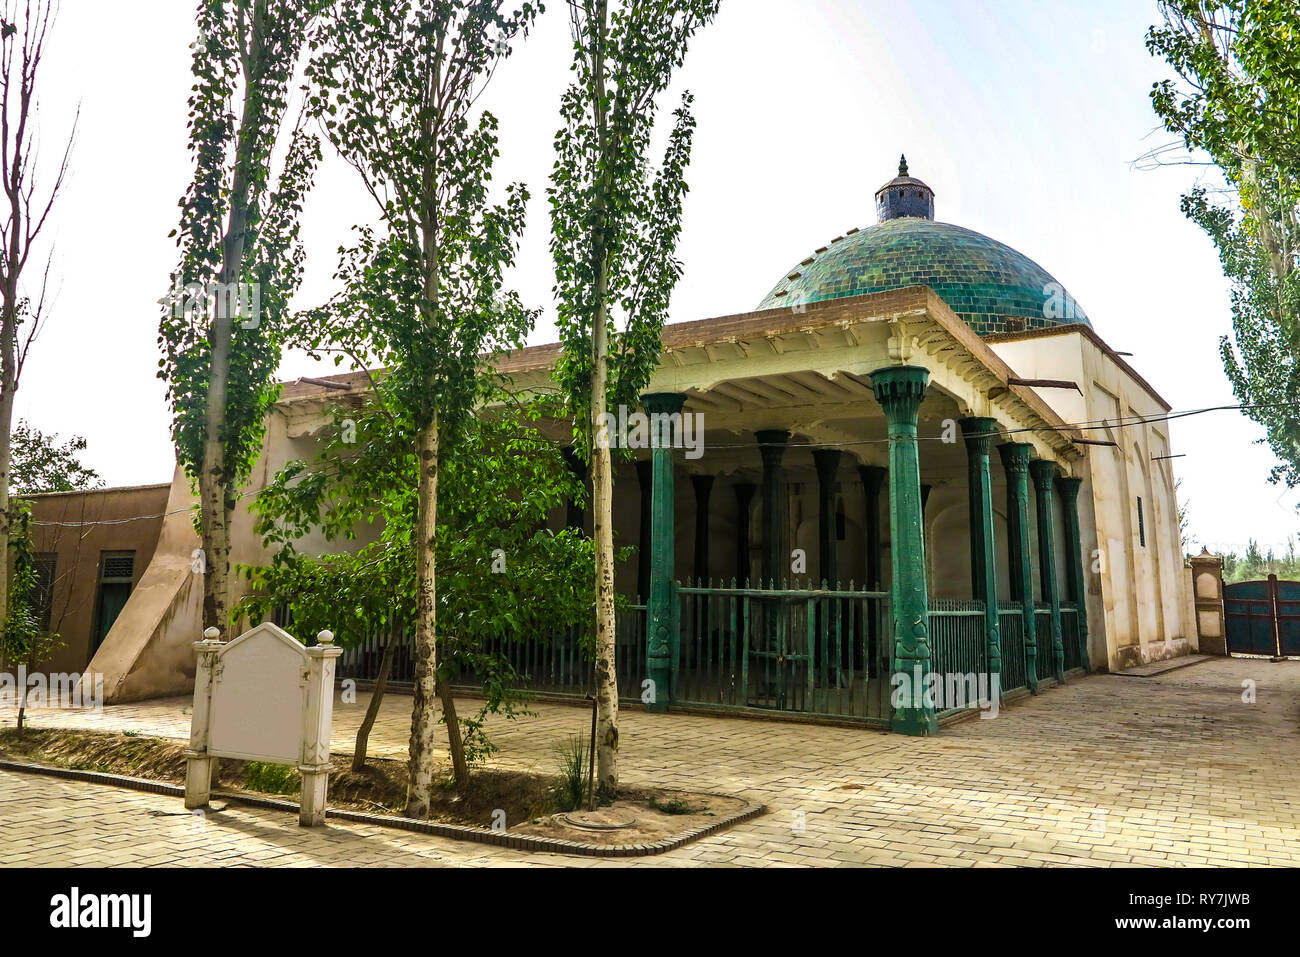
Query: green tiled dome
{"x": 990, "y": 285}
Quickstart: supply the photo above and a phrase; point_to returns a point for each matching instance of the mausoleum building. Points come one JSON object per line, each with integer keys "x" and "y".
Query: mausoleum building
{"x": 916, "y": 455}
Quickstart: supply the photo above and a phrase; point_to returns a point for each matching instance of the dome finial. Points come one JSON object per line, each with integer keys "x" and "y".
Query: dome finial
{"x": 904, "y": 196}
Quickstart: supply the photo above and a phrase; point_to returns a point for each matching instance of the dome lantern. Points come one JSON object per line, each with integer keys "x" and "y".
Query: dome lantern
{"x": 993, "y": 288}
{"x": 904, "y": 196}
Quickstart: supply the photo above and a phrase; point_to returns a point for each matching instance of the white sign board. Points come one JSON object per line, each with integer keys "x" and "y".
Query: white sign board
{"x": 263, "y": 697}
{"x": 259, "y": 688}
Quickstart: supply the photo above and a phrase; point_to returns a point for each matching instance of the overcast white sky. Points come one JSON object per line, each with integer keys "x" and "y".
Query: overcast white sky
{"x": 1023, "y": 116}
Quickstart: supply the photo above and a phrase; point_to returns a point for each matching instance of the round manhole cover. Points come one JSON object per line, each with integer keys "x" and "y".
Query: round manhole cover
{"x": 602, "y": 819}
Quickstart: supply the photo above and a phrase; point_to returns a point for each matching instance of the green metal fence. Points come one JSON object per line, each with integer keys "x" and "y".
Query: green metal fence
{"x": 958, "y": 647}
{"x": 1011, "y": 629}
{"x": 821, "y": 652}
{"x": 551, "y": 664}
{"x": 813, "y": 651}
{"x": 361, "y": 662}
{"x": 1070, "y": 636}
{"x": 1043, "y": 632}
{"x": 563, "y": 663}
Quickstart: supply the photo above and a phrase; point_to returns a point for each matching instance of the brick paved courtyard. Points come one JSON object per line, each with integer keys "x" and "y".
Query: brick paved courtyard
{"x": 1109, "y": 770}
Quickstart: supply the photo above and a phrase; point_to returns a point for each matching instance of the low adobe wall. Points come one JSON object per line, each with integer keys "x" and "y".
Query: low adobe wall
{"x": 149, "y": 652}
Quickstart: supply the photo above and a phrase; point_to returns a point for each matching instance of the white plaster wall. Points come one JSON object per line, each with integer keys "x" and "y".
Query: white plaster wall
{"x": 1138, "y": 599}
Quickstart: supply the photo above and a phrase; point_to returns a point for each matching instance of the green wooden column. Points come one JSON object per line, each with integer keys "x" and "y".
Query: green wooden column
{"x": 771, "y": 446}
{"x": 829, "y": 614}
{"x": 827, "y": 463}
{"x": 661, "y": 606}
{"x": 1015, "y": 462}
{"x": 1074, "y": 583}
{"x": 1044, "y": 475}
{"x": 900, "y": 389}
{"x": 873, "y": 480}
{"x": 645, "y": 480}
{"x": 575, "y": 515}
{"x": 979, "y": 433}
{"x": 744, "y": 500}
{"x": 703, "y": 485}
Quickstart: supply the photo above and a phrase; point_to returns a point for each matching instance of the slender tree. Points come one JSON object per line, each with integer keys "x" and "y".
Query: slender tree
{"x": 27, "y": 639}
{"x": 502, "y": 575}
{"x": 31, "y": 633}
{"x": 42, "y": 464}
{"x": 240, "y": 259}
{"x": 1237, "y": 99}
{"x": 29, "y": 196}
{"x": 423, "y": 298}
{"x": 615, "y": 223}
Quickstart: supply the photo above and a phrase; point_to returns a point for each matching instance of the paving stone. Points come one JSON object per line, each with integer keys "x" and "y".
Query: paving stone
{"x": 1169, "y": 770}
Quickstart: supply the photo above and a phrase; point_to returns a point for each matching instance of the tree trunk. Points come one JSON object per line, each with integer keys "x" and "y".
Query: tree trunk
{"x": 601, "y": 468}
{"x": 459, "y": 766}
{"x": 602, "y": 527}
{"x": 424, "y": 710}
{"x": 372, "y": 710}
{"x": 216, "y": 498}
{"x": 7, "y": 389}
{"x": 214, "y": 494}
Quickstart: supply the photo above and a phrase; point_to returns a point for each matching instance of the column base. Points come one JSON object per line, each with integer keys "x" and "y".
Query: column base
{"x": 916, "y": 722}
{"x": 660, "y": 676}
{"x": 315, "y": 786}
{"x": 198, "y": 781}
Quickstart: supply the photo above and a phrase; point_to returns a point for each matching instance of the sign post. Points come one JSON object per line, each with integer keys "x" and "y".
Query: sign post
{"x": 263, "y": 697}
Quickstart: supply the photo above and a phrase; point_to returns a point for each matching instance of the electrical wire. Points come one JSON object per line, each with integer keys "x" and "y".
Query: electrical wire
{"x": 1090, "y": 425}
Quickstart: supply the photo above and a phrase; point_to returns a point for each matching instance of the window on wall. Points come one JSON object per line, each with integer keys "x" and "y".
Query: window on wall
{"x": 1142, "y": 528}
{"x": 44, "y": 565}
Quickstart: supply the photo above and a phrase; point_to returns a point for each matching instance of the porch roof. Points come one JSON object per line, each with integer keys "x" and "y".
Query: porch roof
{"x": 811, "y": 357}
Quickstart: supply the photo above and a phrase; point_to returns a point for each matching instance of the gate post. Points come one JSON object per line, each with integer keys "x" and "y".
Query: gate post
{"x": 899, "y": 390}
{"x": 1207, "y": 595}
{"x": 661, "y": 613}
{"x": 198, "y": 763}
{"x": 318, "y": 716}
{"x": 1277, "y": 620}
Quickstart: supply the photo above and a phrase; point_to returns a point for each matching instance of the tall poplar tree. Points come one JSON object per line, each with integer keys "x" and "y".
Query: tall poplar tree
{"x": 238, "y": 230}
{"x": 1237, "y": 99}
{"x": 424, "y": 297}
{"x": 615, "y": 223}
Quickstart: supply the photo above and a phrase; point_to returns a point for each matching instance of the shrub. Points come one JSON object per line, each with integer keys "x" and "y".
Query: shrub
{"x": 271, "y": 778}
{"x": 570, "y": 790}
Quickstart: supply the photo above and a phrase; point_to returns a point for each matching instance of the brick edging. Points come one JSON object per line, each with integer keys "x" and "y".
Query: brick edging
{"x": 457, "y": 832}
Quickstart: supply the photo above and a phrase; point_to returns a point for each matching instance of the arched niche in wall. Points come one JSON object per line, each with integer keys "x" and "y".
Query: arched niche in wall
{"x": 948, "y": 541}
